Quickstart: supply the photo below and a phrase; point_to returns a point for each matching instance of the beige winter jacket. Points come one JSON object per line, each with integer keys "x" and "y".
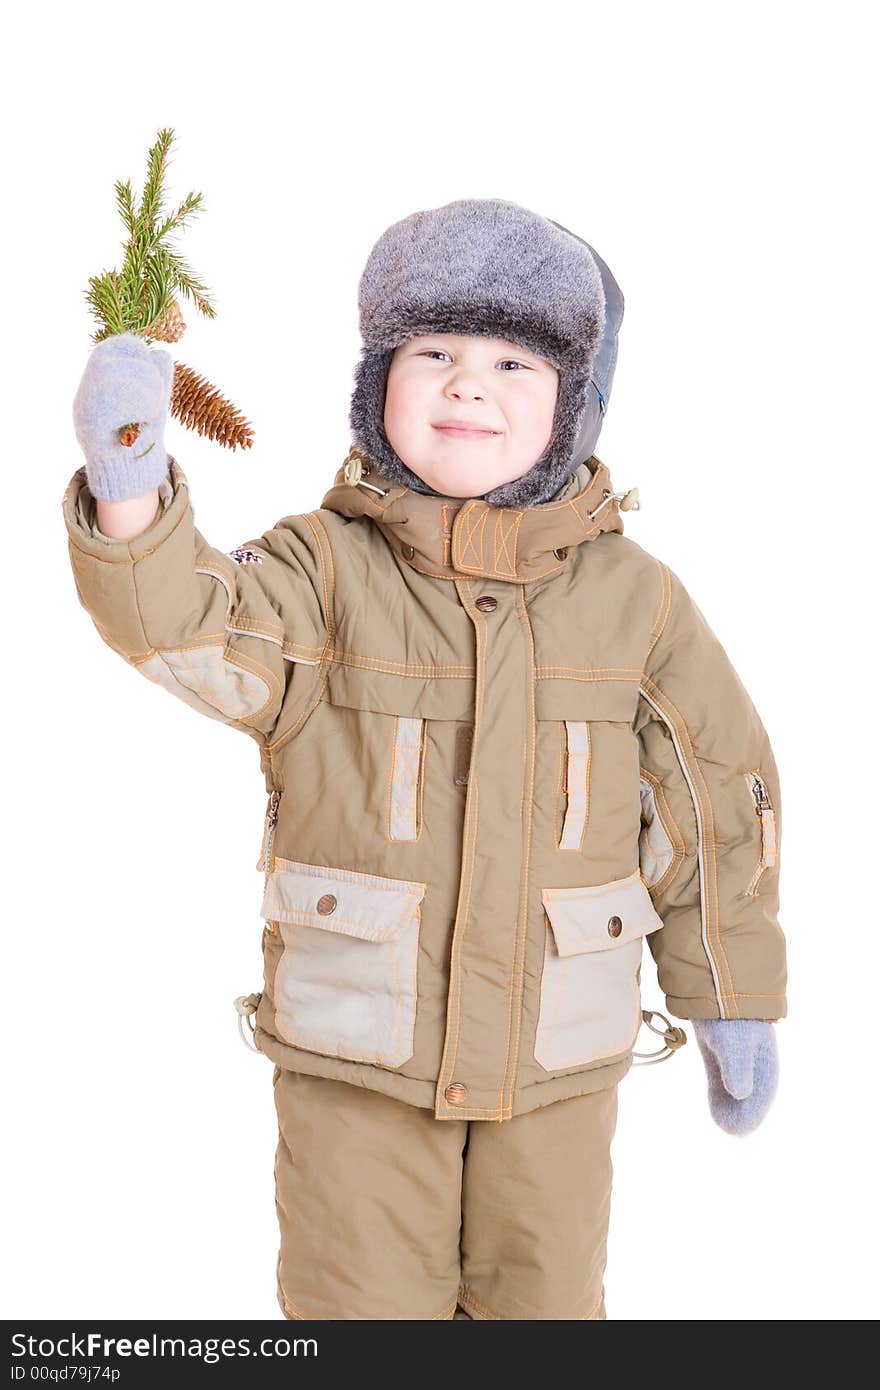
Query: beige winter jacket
{"x": 502, "y": 748}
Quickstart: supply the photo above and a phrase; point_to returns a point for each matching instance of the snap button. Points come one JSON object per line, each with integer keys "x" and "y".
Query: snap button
{"x": 408, "y": 551}
{"x": 456, "y": 1093}
{"x": 561, "y": 552}
{"x": 326, "y": 904}
{"x": 615, "y": 926}
{"x": 486, "y": 603}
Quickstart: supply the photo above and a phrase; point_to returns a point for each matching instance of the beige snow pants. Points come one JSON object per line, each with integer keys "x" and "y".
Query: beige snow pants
{"x": 388, "y": 1213}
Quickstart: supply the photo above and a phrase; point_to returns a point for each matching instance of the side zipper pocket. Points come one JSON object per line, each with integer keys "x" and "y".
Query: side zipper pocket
{"x": 767, "y": 816}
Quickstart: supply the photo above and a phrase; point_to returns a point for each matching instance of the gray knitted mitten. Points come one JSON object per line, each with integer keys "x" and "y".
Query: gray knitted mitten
{"x": 742, "y": 1064}
{"x": 124, "y": 382}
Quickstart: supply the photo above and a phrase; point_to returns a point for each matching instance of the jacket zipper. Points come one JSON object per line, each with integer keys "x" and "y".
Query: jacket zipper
{"x": 265, "y": 860}
{"x": 767, "y": 817}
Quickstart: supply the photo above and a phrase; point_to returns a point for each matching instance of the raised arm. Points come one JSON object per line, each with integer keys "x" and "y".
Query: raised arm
{"x": 217, "y": 629}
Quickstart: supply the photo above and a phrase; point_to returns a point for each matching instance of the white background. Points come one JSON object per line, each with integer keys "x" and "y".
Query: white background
{"x": 722, "y": 160}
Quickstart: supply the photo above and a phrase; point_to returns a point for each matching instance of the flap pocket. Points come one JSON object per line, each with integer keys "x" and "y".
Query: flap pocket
{"x": 416, "y": 694}
{"x": 340, "y": 900}
{"x": 609, "y": 914}
{"x": 346, "y": 983}
{"x": 560, "y": 698}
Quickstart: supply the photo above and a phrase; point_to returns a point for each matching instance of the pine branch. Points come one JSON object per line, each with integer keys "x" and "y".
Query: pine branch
{"x": 105, "y": 300}
{"x": 183, "y": 277}
{"x": 157, "y": 159}
{"x": 191, "y": 205}
{"x": 125, "y": 203}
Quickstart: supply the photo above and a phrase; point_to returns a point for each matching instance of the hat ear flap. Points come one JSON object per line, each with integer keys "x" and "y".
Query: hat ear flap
{"x": 556, "y": 464}
{"x": 366, "y": 420}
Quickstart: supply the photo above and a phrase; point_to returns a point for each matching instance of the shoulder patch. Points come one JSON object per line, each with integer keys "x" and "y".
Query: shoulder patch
{"x": 243, "y": 555}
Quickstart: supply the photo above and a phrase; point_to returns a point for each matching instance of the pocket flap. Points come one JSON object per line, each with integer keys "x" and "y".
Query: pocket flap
{"x": 609, "y": 914}
{"x": 355, "y": 904}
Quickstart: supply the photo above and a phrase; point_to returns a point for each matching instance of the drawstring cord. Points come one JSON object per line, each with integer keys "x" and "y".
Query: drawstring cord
{"x": 245, "y": 1006}
{"x": 673, "y": 1037}
{"x": 353, "y": 472}
{"x": 629, "y": 501}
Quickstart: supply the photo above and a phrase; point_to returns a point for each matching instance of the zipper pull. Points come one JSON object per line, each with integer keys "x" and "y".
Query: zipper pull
{"x": 759, "y": 791}
{"x": 271, "y": 818}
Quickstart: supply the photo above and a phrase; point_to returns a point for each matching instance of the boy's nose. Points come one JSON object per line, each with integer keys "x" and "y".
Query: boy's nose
{"x": 469, "y": 388}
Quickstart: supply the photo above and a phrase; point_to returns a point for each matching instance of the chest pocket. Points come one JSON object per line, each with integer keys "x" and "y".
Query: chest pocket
{"x": 589, "y": 754}
{"x": 346, "y": 981}
{"x": 590, "y": 986}
{"x": 576, "y": 783}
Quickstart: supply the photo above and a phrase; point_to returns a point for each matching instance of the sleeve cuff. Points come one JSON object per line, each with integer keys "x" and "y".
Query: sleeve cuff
{"x": 764, "y": 1006}
{"x": 80, "y": 517}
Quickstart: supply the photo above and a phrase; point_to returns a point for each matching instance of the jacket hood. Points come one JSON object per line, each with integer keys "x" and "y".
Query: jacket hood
{"x": 604, "y": 362}
{"x": 454, "y": 537}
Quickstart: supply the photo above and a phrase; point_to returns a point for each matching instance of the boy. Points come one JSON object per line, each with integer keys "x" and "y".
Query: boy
{"x": 502, "y": 747}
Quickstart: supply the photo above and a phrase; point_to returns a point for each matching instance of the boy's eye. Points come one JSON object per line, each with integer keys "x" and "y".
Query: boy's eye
{"x": 439, "y": 352}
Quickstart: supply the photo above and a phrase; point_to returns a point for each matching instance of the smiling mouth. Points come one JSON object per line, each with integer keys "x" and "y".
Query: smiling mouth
{"x": 455, "y": 432}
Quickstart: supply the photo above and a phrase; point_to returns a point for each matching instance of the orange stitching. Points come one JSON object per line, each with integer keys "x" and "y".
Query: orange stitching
{"x": 712, "y": 899}
{"x": 588, "y": 760}
{"x": 700, "y": 789}
{"x": 319, "y": 1044}
{"x": 470, "y": 533}
{"x": 664, "y": 607}
{"x": 236, "y": 658}
{"x": 522, "y": 930}
{"x": 501, "y": 540}
{"x": 403, "y": 753}
{"x": 454, "y": 1005}
{"x": 390, "y": 782}
{"x": 351, "y": 876}
{"x": 329, "y": 618}
{"x": 380, "y": 663}
{"x": 466, "y": 1297}
{"x": 679, "y": 847}
{"x": 589, "y": 670}
{"x": 588, "y": 781}
{"x": 210, "y": 639}
{"x": 316, "y": 692}
{"x": 128, "y": 558}
{"x": 740, "y": 994}
{"x": 616, "y": 1051}
{"x": 420, "y": 784}
{"x": 202, "y": 691}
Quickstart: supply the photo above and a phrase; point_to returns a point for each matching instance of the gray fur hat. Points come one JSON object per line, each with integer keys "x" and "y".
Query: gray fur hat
{"x": 486, "y": 266}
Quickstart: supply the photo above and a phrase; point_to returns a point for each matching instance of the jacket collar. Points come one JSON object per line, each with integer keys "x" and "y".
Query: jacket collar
{"x": 452, "y": 537}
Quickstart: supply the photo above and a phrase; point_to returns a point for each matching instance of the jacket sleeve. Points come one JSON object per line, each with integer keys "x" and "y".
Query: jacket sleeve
{"x": 219, "y": 630}
{"x": 711, "y": 824}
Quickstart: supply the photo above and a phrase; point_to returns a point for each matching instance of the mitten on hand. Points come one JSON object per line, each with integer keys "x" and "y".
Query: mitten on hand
{"x": 124, "y": 383}
{"x": 743, "y": 1069}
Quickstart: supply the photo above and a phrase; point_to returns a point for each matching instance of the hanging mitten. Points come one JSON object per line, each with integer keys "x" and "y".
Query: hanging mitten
{"x": 742, "y": 1064}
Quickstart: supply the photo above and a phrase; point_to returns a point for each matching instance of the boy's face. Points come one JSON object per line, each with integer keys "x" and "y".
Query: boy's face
{"x": 505, "y": 390}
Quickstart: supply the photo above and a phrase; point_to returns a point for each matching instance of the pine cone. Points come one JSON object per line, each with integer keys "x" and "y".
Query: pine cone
{"x": 169, "y": 327}
{"x": 199, "y": 406}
